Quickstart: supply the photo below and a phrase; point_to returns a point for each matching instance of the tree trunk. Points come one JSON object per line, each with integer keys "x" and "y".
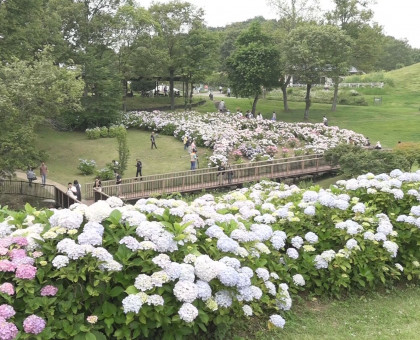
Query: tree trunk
{"x": 284, "y": 90}
{"x": 171, "y": 88}
{"x": 191, "y": 94}
{"x": 307, "y": 101}
{"x": 185, "y": 91}
{"x": 254, "y": 104}
{"x": 335, "y": 99}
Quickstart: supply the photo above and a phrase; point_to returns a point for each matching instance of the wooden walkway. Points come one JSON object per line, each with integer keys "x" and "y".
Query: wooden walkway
{"x": 211, "y": 178}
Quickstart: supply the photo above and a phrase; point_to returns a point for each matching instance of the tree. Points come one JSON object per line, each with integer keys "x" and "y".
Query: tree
{"x": 31, "y": 92}
{"x": 354, "y": 17}
{"x": 254, "y": 64}
{"x": 175, "y": 19}
{"x": 395, "y": 54}
{"x": 200, "y": 54}
{"x": 311, "y": 54}
{"x": 123, "y": 150}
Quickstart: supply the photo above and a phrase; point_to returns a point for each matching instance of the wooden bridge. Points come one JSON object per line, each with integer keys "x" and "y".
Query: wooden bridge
{"x": 211, "y": 178}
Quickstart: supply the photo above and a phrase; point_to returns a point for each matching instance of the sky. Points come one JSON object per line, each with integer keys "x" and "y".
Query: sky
{"x": 399, "y": 18}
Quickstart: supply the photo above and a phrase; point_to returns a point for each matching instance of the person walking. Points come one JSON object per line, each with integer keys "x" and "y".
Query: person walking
{"x": 153, "y": 140}
{"x": 221, "y": 171}
{"x": 43, "y": 171}
{"x": 185, "y": 141}
{"x": 30, "y": 174}
{"x": 228, "y": 91}
{"x": 78, "y": 189}
{"x": 139, "y": 167}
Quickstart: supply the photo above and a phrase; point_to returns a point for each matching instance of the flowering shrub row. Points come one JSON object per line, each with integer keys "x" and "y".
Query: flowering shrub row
{"x": 253, "y": 138}
{"x": 103, "y": 132}
{"x": 165, "y": 268}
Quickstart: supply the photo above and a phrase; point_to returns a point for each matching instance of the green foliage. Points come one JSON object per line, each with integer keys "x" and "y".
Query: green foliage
{"x": 123, "y": 150}
{"x": 113, "y": 130}
{"x": 86, "y": 167}
{"x": 354, "y": 160}
{"x": 105, "y": 174}
{"x": 410, "y": 151}
{"x": 104, "y": 132}
{"x": 94, "y": 133}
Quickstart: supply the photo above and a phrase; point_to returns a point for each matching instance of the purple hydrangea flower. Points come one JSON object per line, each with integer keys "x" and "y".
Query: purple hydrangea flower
{"x": 8, "y": 330}
{"x": 6, "y": 311}
{"x": 49, "y": 291}
{"x": 25, "y": 271}
{"x": 34, "y": 324}
{"x": 7, "y": 288}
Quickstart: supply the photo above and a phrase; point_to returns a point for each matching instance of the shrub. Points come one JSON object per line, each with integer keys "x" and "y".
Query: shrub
{"x": 105, "y": 174}
{"x": 165, "y": 270}
{"x": 112, "y": 131}
{"x": 410, "y": 151}
{"x": 94, "y": 133}
{"x": 86, "y": 167}
{"x": 104, "y": 131}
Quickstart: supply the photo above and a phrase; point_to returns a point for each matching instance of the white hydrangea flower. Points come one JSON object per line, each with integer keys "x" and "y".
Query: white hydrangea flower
{"x": 132, "y": 303}
{"x": 277, "y": 320}
{"x": 185, "y": 291}
{"x": 188, "y": 312}
{"x": 298, "y": 280}
{"x": 247, "y": 310}
{"x": 60, "y": 261}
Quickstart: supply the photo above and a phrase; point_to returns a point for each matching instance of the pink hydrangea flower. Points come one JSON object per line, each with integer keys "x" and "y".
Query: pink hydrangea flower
{"x": 8, "y": 330}
{"x": 7, "y": 288}
{"x": 25, "y": 271}
{"x": 34, "y": 324}
{"x": 3, "y": 251}
{"x": 20, "y": 241}
{"x": 17, "y": 253}
{"x": 49, "y": 291}
{"x": 37, "y": 254}
{"x": 6, "y": 242}
{"x": 7, "y": 266}
{"x": 6, "y": 311}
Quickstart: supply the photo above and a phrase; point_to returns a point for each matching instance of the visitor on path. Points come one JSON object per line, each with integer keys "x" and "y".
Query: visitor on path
{"x": 229, "y": 173}
{"x": 185, "y": 141}
{"x": 30, "y": 174}
{"x": 259, "y": 116}
{"x": 222, "y": 106}
{"x": 325, "y": 120}
{"x": 78, "y": 189}
{"x": 274, "y": 116}
{"x": 153, "y": 140}
{"x": 118, "y": 182}
{"x": 193, "y": 146}
{"x": 378, "y": 145}
{"x": 71, "y": 191}
{"x": 211, "y": 95}
{"x": 221, "y": 171}
{"x": 139, "y": 167}
{"x": 97, "y": 185}
{"x": 228, "y": 91}
{"x": 193, "y": 159}
{"x": 43, "y": 171}
{"x": 165, "y": 90}
{"x": 220, "y": 89}
{"x": 115, "y": 166}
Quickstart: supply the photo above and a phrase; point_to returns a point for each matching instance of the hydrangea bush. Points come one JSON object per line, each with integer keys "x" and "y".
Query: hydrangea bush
{"x": 255, "y": 139}
{"x": 166, "y": 269}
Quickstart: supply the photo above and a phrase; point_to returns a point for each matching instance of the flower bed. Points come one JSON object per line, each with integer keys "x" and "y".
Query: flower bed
{"x": 165, "y": 268}
{"x": 254, "y": 138}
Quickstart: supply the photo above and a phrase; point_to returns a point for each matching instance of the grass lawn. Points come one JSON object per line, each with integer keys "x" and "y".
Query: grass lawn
{"x": 381, "y": 316}
{"x": 65, "y": 149}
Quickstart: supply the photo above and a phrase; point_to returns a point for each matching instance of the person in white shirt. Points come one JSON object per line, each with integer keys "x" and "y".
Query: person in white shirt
{"x": 71, "y": 191}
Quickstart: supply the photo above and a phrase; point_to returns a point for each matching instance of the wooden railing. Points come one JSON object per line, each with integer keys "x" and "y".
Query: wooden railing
{"x": 37, "y": 190}
{"x": 238, "y": 174}
{"x": 88, "y": 192}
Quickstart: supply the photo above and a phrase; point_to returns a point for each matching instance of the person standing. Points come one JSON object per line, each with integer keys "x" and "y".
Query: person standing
{"x": 222, "y": 106}
{"x": 229, "y": 173}
{"x": 274, "y": 116}
{"x": 193, "y": 158}
{"x": 118, "y": 182}
{"x": 78, "y": 189}
{"x": 71, "y": 191}
{"x": 220, "y": 89}
{"x": 185, "y": 140}
{"x": 30, "y": 174}
{"x": 325, "y": 120}
{"x": 153, "y": 140}
{"x": 97, "y": 185}
{"x": 139, "y": 167}
{"x": 228, "y": 91}
{"x": 43, "y": 171}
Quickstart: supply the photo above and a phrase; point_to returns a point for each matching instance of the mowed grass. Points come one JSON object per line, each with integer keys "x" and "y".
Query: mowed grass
{"x": 378, "y": 316}
{"x": 66, "y": 148}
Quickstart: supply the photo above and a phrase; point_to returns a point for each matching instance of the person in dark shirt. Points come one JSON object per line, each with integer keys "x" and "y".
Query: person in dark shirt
{"x": 152, "y": 139}
{"x": 78, "y": 189}
{"x": 139, "y": 167}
